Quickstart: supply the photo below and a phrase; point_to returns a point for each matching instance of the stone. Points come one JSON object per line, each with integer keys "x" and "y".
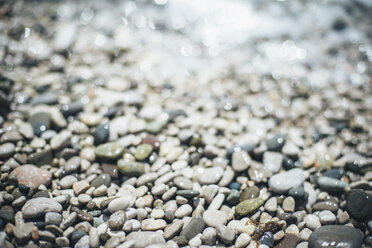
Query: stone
{"x": 282, "y": 182}
{"x": 83, "y": 242}
{"x": 267, "y": 239}
{"x": 211, "y": 175}
{"x": 61, "y": 140}
{"x": 184, "y": 210}
{"x": 233, "y": 197}
{"x": 248, "y": 206}
{"x": 240, "y": 161}
{"x": 249, "y": 193}
{"x": 209, "y": 236}
{"x": 226, "y": 234}
{"x": 243, "y": 240}
{"x": 289, "y": 241}
{"x": 271, "y": 204}
{"x": 143, "y": 151}
{"x": 298, "y": 192}
{"x": 289, "y": 204}
{"x": 121, "y": 203}
{"x": 312, "y": 221}
{"x": 131, "y": 169}
{"x": 52, "y": 218}
{"x": 91, "y": 119}
{"x": 276, "y": 143}
{"x": 41, "y": 158}
{"x": 214, "y": 218}
{"x": 72, "y": 108}
{"x": 183, "y": 183}
{"x": 32, "y": 176}
{"x": 101, "y": 133}
{"x": 40, "y": 122}
{"x": 23, "y": 232}
{"x": 80, "y": 187}
{"x": 195, "y": 226}
{"x": 272, "y": 161}
{"x": 358, "y": 204}
{"x": 67, "y": 181}
{"x": 155, "y": 225}
{"x": 145, "y": 238}
{"x": 173, "y": 229}
{"x": 336, "y": 236}
{"x": 188, "y": 193}
{"x": 103, "y": 179}
{"x": 38, "y": 206}
{"x": 7, "y": 150}
{"x": 72, "y": 164}
{"x": 110, "y": 150}
{"x": 116, "y": 220}
{"x": 330, "y": 184}
{"x": 326, "y": 217}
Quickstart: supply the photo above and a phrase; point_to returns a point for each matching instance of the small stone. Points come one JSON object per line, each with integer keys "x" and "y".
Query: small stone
{"x": 6, "y": 150}
{"x": 52, "y": 218}
{"x": 336, "y": 236}
{"x": 110, "y": 150}
{"x": 282, "y": 182}
{"x": 226, "y": 234}
{"x": 173, "y": 229}
{"x": 156, "y": 126}
{"x": 32, "y": 176}
{"x": 38, "y": 206}
{"x": 271, "y": 204}
{"x": 267, "y": 239}
{"x": 83, "y": 242}
{"x": 23, "y": 232}
{"x": 145, "y": 238}
{"x": 276, "y": 143}
{"x": 209, "y": 236}
{"x": 195, "y": 226}
{"x": 143, "y": 151}
{"x": 243, "y": 240}
{"x": 233, "y": 198}
{"x": 188, "y": 193}
{"x": 131, "y": 169}
{"x": 91, "y": 119}
{"x": 101, "y": 133}
{"x": 184, "y": 210}
{"x": 121, "y": 203}
{"x": 61, "y": 140}
{"x": 183, "y": 183}
{"x": 330, "y": 184}
{"x": 312, "y": 221}
{"x": 211, "y": 175}
{"x": 358, "y": 204}
{"x": 240, "y": 161}
{"x": 155, "y": 225}
{"x": 40, "y": 122}
{"x": 117, "y": 220}
{"x": 80, "y": 187}
{"x": 67, "y": 181}
{"x": 289, "y": 204}
{"x": 272, "y": 161}
{"x": 103, "y": 179}
{"x": 289, "y": 240}
{"x": 47, "y": 98}
{"x": 249, "y": 193}
{"x": 73, "y": 164}
{"x": 248, "y": 206}
{"x": 214, "y": 218}
{"x": 297, "y": 192}
{"x": 326, "y": 217}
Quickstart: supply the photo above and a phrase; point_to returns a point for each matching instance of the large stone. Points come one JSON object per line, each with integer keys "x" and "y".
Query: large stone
{"x": 32, "y": 176}
{"x": 336, "y": 236}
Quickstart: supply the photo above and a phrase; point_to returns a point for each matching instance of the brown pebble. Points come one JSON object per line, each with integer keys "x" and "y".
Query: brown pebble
{"x": 32, "y": 176}
{"x": 35, "y": 234}
{"x": 289, "y": 241}
{"x": 9, "y": 228}
{"x": 82, "y": 215}
{"x": 111, "y": 169}
{"x": 152, "y": 140}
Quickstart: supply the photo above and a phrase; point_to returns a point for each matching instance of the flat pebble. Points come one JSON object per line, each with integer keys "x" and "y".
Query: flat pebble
{"x": 39, "y": 206}
{"x": 282, "y": 182}
{"x": 214, "y": 218}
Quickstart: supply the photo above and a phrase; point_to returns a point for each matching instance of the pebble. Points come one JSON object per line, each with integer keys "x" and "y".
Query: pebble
{"x": 155, "y": 225}
{"x": 195, "y": 226}
{"x": 226, "y": 234}
{"x": 188, "y": 193}
{"x": 271, "y": 204}
{"x": 116, "y": 220}
{"x": 173, "y": 229}
{"x": 184, "y": 210}
{"x": 121, "y": 203}
{"x": 143, "y": 151}
{"x": 38, "y": 206}
{"x": 289, "y": 204}
{"x": 336, "y": 236}
{"x": 276, "y": 143}
{"x": 131, "y": 169}
{"x": 83, "y": 242}
{"x": 312, "y": 221}
{"x": 73, "y": 164}
{"x": 282, "y": 182}
{"x": 103, "y": 179}
{"x": 110, "y": 150}
{"x": 272, "y": 161}
{"x": 32, "y": 176}
{"x": 67, "y": 181}
{"x": 145, "y": 238}
{"x": 214, "y": 218}
{"x": 248, "y": 206}
{"x": 183, "y": 183}
{"x": 240, "y": 161}
{"x": 298, "y": 192}
{"x": 289, "y": 241}
{"x": 6, "y": 150}
{"x": 358, "y": 204}
{"x": 52, "y": 218}
{"x": 40, "y": 122}
{"x": 61, "y": 140}
{"x": 249, "y": 193}
{"x": 211, "y": 175}
{"x": 326, "y": 217}
{"x": 101, "y": 133}
{"x": 331, "y": 185}
{"x": 243, "y": 240}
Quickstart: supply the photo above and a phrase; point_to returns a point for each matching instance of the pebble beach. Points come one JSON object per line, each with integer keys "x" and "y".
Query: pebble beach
{"x": 174, "y": 123}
